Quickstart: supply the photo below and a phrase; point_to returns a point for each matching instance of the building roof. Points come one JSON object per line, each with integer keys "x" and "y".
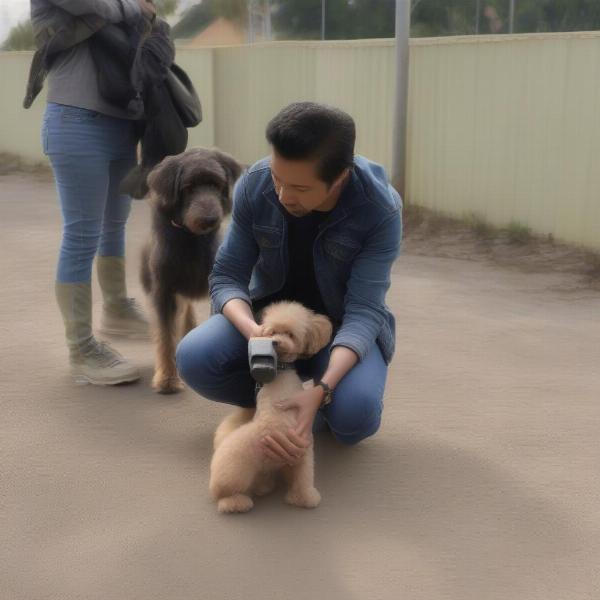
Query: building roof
{"x": 221, "y": 32}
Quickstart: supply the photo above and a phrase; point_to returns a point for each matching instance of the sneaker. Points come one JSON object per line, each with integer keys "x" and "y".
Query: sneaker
{"x": 125, "y": 319}
{"x": 99, "y": 364}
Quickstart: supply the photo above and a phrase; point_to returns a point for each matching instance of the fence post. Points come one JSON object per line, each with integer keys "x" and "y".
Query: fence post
{"x": 401, "y": 103}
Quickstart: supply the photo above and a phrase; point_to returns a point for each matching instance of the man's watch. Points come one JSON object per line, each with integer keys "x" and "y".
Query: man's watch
{"x": 328, "y": 392}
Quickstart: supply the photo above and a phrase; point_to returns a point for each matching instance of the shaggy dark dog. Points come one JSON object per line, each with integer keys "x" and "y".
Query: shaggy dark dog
{"x": 190, "y": 194}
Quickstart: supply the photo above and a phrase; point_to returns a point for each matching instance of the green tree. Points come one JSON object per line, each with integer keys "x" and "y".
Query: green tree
{"x": 164, "y": 8}
{"x": 540, "y": 15}
{"x": 344, "y": 19}
{"x": 350, "y": 19}
{"x": 20, "y": 37}
{"x": 557, "y": 15}
{"x": 199, "y": 16}
{"x": 432, "y": 18}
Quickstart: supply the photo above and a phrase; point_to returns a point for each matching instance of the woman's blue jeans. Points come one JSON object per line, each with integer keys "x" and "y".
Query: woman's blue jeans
{"x": 90, "y": 154}
{"x": 213, "y": 360}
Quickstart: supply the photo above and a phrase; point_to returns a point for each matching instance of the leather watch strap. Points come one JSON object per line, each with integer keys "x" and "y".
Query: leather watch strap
{"x": 328, "y": 392}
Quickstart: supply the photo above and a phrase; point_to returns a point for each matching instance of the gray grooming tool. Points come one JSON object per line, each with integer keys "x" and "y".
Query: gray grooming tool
{"x": 262, "y": 359}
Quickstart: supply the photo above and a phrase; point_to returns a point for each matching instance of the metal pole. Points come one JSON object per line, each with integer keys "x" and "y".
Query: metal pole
{"x": 268, "y": 31}
{"x": 511, "y": 17}
{"x": 322, "y": 19}
{"x": 401, "y": 105}
{"x": 250, "y": 28}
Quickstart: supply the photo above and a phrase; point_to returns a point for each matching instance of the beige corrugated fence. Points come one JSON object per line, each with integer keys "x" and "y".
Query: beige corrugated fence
{"x": 506, "y": 127}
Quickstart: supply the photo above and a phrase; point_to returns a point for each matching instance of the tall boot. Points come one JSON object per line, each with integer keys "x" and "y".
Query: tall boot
{"x": 91, "y": 361}
{"x": 121, "y": 315}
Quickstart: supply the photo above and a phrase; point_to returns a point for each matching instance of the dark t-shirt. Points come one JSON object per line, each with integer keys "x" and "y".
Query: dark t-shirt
{"x": 301, "y": 283}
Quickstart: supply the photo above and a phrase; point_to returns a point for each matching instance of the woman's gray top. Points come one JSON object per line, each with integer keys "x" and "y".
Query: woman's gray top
{"x": 72, "y": 80}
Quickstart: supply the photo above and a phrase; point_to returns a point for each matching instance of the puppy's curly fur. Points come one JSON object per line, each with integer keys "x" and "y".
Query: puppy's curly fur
{"x": 239, "y": 468}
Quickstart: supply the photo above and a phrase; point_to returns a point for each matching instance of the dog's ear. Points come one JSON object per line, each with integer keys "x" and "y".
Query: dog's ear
{"x": 318, "y": 334}
{"x": 164, "y": 181}
{"x": 233, "y": 169}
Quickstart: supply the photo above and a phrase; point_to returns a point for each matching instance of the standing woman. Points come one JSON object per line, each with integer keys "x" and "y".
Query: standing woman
{"x": 91, "y": 145}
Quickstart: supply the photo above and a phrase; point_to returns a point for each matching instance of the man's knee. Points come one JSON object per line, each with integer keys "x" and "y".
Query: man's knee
{"x": 184, "y": 357}
{"x": 193, "y": 359}
{"x": 205, "y": 357}
{"x": 356, "y": 419}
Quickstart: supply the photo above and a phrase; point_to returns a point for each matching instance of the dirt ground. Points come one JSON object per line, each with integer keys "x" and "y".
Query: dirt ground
{"x": 482, "y": 484}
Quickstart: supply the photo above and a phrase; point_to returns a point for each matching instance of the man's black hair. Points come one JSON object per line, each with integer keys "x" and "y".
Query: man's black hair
{"x": 311, "y": 131}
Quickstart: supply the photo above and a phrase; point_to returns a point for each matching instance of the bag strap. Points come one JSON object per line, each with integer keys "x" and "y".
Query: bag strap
{"x": 37, "y": 75}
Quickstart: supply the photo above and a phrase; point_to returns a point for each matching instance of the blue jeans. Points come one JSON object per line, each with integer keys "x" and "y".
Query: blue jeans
{"x": 90, "y": 154}
{"x": 213, "y": 360}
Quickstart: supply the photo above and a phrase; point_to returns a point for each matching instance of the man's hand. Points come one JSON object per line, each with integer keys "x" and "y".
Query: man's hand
{"x": 291, "y": 447}
{"x": 307, "y": 403}
{"x": 255, "y": 330}
{"x": 148, "y": 9}
{"x": 287, "y": 448}
{"x": 239, "y": 314}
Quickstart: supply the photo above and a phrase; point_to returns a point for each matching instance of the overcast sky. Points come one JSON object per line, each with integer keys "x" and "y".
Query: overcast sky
{"x": 11, "y": 13}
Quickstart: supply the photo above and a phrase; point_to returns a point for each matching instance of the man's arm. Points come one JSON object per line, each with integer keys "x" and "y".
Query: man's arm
{"x": 364, "y": 304}
{"x": 341, "y": 361}
{"x": 239, "y": 313}
{"x": 363, "y": 316}
{"x": 114, "y": 11}
{"x": 233, "y": 266}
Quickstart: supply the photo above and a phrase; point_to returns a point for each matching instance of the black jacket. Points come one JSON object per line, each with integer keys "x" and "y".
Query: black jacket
{"x": 135, "y": 72}
{"x": 135, "y": 69}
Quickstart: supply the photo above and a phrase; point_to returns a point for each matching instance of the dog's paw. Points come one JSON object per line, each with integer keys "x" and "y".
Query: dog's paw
{"x": 304, "y": 498}
{"x": 164, "y": 384}
{"x": 238, "y": 503}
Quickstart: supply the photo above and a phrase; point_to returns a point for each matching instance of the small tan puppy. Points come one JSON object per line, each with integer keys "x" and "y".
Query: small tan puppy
{"x": 239, "y": 467}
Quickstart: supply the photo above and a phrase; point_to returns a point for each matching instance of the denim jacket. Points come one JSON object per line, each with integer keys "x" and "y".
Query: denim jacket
{"x": 353, "y": 253}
